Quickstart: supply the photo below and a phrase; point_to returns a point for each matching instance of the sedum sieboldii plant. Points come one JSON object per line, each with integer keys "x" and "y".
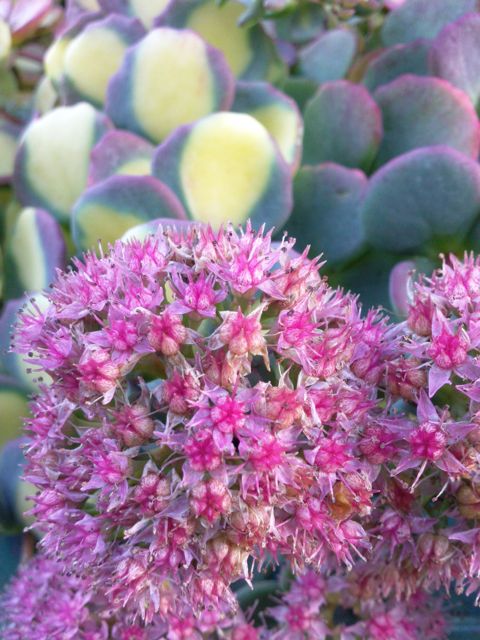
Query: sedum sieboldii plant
{"x": 176, "y": 446}
{"x": 212, "y": 413}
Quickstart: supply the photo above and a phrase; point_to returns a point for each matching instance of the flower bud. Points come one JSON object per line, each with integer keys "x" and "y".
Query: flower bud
{"x": 468, "y": 501}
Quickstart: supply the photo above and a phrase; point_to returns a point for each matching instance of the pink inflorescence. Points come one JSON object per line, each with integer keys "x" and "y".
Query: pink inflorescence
{"x": 43, "y": 602}
{"x": 216, "y": 408}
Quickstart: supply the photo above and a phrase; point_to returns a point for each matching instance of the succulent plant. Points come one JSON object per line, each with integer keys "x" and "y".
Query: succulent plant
{"x": 352, "y": 125}
{"x": 217, "y": 425}
{"x": 399, "y": 112}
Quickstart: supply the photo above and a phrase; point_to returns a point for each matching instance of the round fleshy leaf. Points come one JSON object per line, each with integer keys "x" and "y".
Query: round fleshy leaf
{"x": 168, "y": 79}
{"x": 9, "y": 134}
{"x": 95, "y": 55}
{"x": 10, "y": 555}
{"x": 148, "y": 10}
{"x": 78, "y": 8}
{"x": 145, "y": 10}
{"x": 329, "y": 57}
{"x": 226, "y": 167}
{"x": 368, "y": 277}
{"x": 401, "y": 284}
{"x": 472, "y": 241}
{"x": 45, "y": 97}
{"x": 119, "y": 153}
{"x": 427, "y": 194}
{"x": 302, "y": 24}
{"x": 394, "y": 62}
{"x": 15, "y": 492}
{"x": 326, "y": 214}
{"x": 248, "y": 51}
{"x": 400, "y": 287}
{"x": 288, "y": 54}
{"x": 5, "y": 41}
{"x": 10, "y": 104}
{"x": 26, "y": 16}
{"x": 277, "y": 112}
{"x": 142, "y": 231}
{"x": 13, "y": 408}
{"x": 13, "y": 363}
{"x": 420, "y": 112}
{"x": 52, "y": 162}
{"x": 455, "y": 55}
{"x": 85, "y": 5}
{"x": 11, "y": 467}
{"x": 299, "y": 89}
{"x": 109, "y": 208}
{"x": 343, "y": 124}
{"x": 54, "y": 59}
{"x": 422, "y": 19}
{"x": 35, "y": 249}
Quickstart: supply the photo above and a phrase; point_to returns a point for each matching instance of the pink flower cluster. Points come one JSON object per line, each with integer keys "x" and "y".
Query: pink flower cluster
{"x": 42, "y": 602}
{"x": 51, "y": 604}
{"x": 308, "y": 608}
{"x": 214, "y": 409}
